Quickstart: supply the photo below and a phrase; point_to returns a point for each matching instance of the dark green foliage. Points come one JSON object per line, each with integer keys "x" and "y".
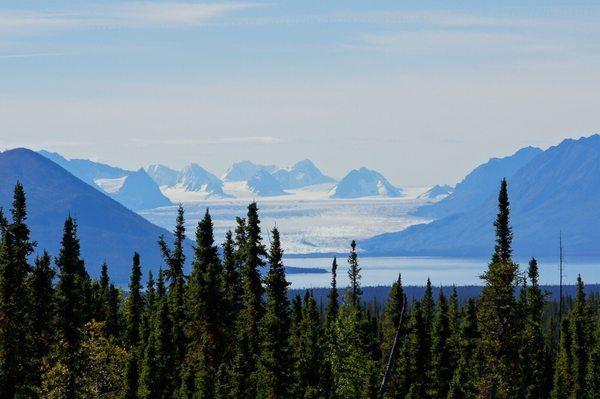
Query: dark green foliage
{"x": 309, "y": 351}
{"x": 394, "y": 311}
{"x": 158, "y": 354}
{"x": 534, "y": 352}
{"x": 464, "y": 378}
{"x": 252, "y": 310}
{"x": 175, "y": 260}
{"x": 222, "y": 334}
{"x": 580, "y": 341}
{"x": 504, "y": 235}
{"x": 498, "y": 313}
{"x": 207, "y": 306}
{"x": 275, "y": 362}
{"x": 70, "y": 296}
{"x": 333, "y": 305}
{"x": 134, "y": 309}
{"x": 416, "y": 355}
{"x": 354, "y": 291}
{"x": 563, "y": 378}
{"x": 42, "y": 305}
{"x": 16, "y": 361}
{"x": 441, "y": 368}
{"x": 232, "y": 280}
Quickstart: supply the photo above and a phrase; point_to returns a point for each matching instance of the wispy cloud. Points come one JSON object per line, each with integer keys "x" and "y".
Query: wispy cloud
{"x": 36, "y": 55}
{"x": 125, "y": 14}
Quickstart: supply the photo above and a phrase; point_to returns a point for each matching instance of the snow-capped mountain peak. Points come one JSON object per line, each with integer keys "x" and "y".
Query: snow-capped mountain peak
{"x": 364, "y": 182}
{"x": 302, "y": 174}
{"x": 244, "y": 170}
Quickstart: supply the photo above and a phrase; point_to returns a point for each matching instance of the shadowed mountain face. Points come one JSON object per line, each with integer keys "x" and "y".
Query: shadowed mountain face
{"x": 264, "y": 184}
{"x": 558, "y": 190}
{"x": 302, "y": 174}
{"x": 244, "y": 170}
{"x": 107, "y": 230}
{"x": 480, "y": 184}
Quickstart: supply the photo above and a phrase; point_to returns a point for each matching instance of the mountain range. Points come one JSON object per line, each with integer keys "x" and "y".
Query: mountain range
{"x": 108, "y": 231}
{"x": 134, "y": 189}
{"x": 550, "y": 191}
{"x": 269, "y": 180}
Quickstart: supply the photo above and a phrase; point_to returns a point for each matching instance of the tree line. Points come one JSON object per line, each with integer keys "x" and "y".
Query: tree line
{"x": 226, "y": 331}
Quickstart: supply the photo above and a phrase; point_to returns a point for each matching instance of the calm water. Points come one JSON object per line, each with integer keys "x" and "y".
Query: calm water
{"x": 441, "y": 271}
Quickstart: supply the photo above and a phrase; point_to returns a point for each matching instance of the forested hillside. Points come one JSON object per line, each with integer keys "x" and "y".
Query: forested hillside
{"x": 226, "y": 332}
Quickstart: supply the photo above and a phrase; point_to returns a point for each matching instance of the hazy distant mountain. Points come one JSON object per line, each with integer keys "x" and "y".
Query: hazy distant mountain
{"x": 84, "y": 169}
{"x": 559, "y": 189}
{"x": 244, "y": 170}
{"x": 193, "y": 177}
{"x": 437, "y": 192}
{"x": 478, "y": 185}
{"x": 364, "y": 182}
{"x": 302, "y": 174}
{"x": 108, "y": 230}
{"x": 138, "y": 191}
{"x": 162, "y": 175}
{"x": 135, "y": 190}
{"x": 263, "y": 184}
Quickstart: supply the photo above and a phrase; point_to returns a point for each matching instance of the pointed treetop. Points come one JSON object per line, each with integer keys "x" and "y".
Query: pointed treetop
{"x": 504, "y": 235}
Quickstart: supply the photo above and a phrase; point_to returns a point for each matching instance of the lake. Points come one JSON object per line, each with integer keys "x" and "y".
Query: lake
{"x": 441, "y": 271}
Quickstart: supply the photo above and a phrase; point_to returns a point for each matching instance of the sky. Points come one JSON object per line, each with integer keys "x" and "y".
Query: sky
{"x": 420, "y": 91}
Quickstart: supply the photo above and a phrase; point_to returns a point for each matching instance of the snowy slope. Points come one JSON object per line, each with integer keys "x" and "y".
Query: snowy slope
{"x": 364, "y": 182}
{"x": 162, "y": 175}
{"x": 244, "y": 170}
{"x": 302, "y": 174}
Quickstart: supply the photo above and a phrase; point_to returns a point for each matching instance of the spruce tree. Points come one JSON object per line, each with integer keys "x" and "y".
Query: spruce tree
{"x": 563, "y": 370}
{"x": 232, "y": 280}
{"x": 71, "y": 308}
{"x": 498, "y": 312}
{"x": 16, "y": 361}
{"x": 251, "y": 313}
{"x": 463, "y": 385}
{"x": 134, "y": 311}
{"x": 207, "y": 308}
{"x": 309, "y": 353}
{"x": 275, "y": 363}
{"x": 41, "y": 293}
{"x": 175, "y": 260}
{"x": 417, "y": 355}
{"x": 354, "y": 291}
{"x": 593, "y": 372}
{"x": 395, "y": 310}
{"x": 534, "y": 372}
{"x": 158, "y": 355}
{"x": 441, "y": 368}
{"x": 580, "y": 341}
{"x": 333, "y": 305}
{"x": 454, "y": 325}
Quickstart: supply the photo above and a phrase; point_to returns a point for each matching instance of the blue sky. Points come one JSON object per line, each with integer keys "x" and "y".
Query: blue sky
{"x": 421, "y": 91}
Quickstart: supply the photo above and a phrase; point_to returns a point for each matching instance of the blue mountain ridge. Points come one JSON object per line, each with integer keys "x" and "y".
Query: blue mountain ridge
{"x": 557, "y": 190}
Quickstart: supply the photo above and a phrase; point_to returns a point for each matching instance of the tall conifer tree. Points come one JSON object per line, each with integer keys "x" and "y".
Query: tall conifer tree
{"x": 175, "y": 260}
{"x": 498, "y": 313}
{"x": 275, "y": 359}
{"x": 207, "y": 308}
{"x": 134, "y": 311}
{"x": 16, "y": 361}
{"x": 354, "y": 291}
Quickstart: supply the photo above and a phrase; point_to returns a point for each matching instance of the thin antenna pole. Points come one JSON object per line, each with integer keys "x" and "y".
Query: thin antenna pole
{"x": 560, "y": 299}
